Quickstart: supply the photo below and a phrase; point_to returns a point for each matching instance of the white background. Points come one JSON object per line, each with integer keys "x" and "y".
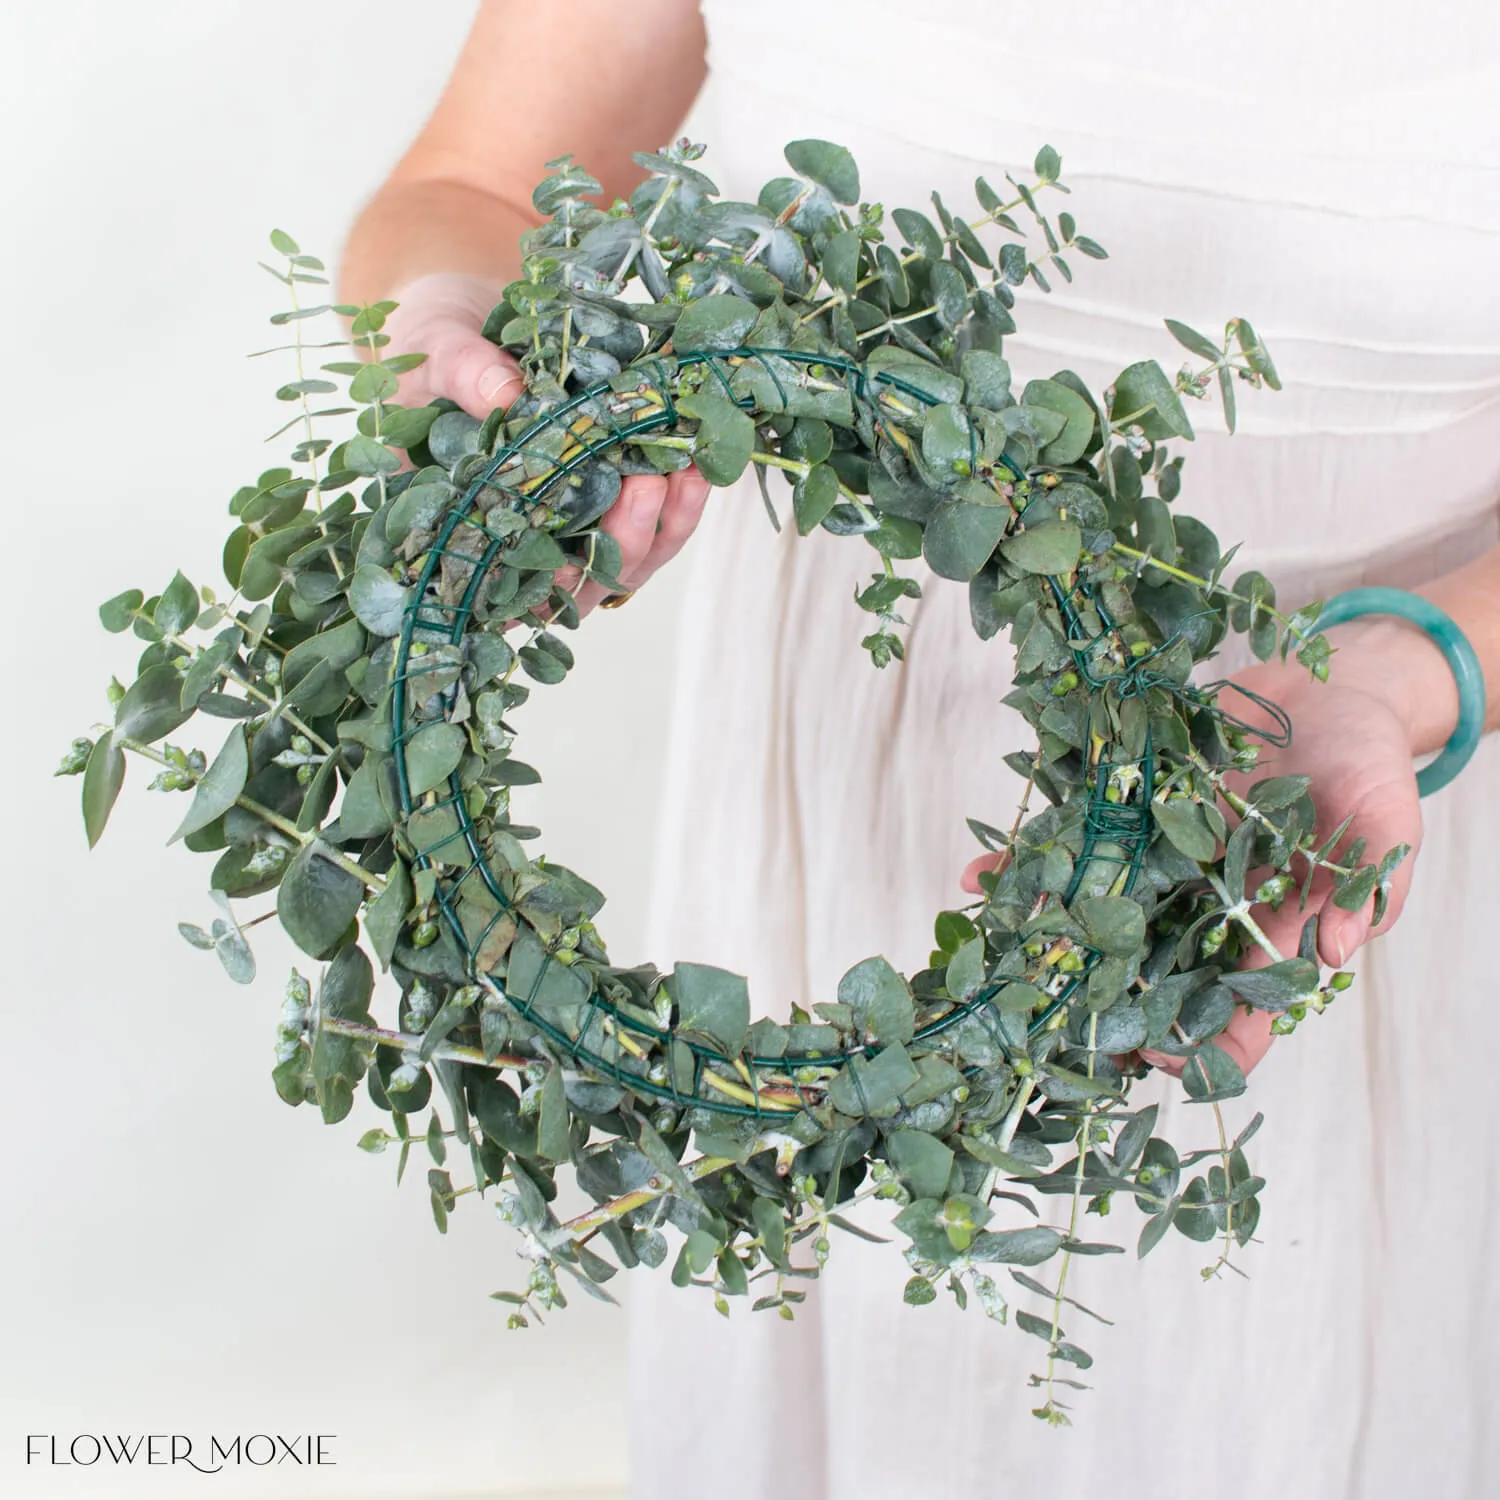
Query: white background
{"x": 182, "y": 1252}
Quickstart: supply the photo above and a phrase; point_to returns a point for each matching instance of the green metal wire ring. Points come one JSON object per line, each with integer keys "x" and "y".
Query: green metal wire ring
{"x": 1114, "y": 833}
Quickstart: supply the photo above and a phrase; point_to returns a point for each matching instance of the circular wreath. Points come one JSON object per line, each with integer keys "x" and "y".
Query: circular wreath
{"x": 372, "y": 655}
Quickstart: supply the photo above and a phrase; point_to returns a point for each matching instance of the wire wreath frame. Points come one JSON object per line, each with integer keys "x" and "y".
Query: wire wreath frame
{"x": 1116, "y": 832}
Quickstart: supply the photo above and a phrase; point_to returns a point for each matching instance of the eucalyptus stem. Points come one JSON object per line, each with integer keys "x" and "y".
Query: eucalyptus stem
{"x": 317, "y": 491}
{"x": 268, "y": 815}
{"x": 443, "y": 1052}
{"x": 1224, "y": 1255}
{"x": 277, "y": 705}
{"x": 1085, "y": 1145}
{"x": 908, "y": 256}
{"x": 616, "y": 1208}
{"x": 1211, "y": 585}
{"x": 1012, "y": 1121}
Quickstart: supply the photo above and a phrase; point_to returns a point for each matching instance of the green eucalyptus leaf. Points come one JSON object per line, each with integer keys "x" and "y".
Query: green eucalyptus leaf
{"x": 828, "y": 165}
{"x": 387, "y": 913}
{"x": 924, "y": 1164}
{"x": 714, "y": 323}
{"x": 220, "y": 785}
{"x": 317, "y": 900}
{"x": 712, "y": 1002}
{"x": 880, "y": 1000}
{"x": 1078, "y": 420}
{"x": 103, "y": 776}
{"x": 177, "y": 607}
{"x": 1050, "y": 547}
{"x": 725, "y": 440}
{"x": 1186, "y": 828}
{"x": 961, "y": 537}
{"x": 432, "y": 755}
{"x": 378, "y": 601}
{"x": 152, "y": 705}
{"x": 117, "y": 614}
{"x": 1144, "y": 397}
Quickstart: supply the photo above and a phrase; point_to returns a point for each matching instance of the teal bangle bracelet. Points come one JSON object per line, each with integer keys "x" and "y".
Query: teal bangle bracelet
{"x": 1454, "y": 645}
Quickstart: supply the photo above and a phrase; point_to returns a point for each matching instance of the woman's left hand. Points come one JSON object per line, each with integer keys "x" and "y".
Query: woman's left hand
{"x": 1350, "y": 735}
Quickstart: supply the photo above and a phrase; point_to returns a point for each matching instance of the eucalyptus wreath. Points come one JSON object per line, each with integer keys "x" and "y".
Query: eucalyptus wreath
{"x": 394, "y": 597}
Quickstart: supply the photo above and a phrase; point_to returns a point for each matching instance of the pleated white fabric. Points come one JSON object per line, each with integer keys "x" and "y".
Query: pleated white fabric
{"x": 1331, "y": 172}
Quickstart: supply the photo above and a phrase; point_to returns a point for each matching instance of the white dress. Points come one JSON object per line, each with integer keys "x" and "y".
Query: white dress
{"x": 1331, "y": 172}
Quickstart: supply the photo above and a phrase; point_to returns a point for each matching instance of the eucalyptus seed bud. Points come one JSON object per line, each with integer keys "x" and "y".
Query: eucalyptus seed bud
{"x": 425, "y": 935}
{"x": 1341, "y": 981}
{"x": 304, "y": 775}
{"x": 76, "y": 758}
{"x": 1065, "y": 684}
{"x": 115, "y": 691}
{"x": 1140, "y": 648}
{"x": 1283, "y": 1025}
{"x": 1297, "y": 1012}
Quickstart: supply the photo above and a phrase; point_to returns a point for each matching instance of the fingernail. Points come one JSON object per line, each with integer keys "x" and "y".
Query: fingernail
{"x": 1346, "y": 940}
{"x": 646, "y": 502}
{"x": 491, "y": 384}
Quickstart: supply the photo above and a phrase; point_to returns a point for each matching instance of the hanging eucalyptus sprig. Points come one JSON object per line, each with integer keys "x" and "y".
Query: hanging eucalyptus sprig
{"x": 394, "y": 596}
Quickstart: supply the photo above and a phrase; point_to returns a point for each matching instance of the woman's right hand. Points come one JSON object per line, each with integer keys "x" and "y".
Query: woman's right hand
{"x": 441, "y": 315}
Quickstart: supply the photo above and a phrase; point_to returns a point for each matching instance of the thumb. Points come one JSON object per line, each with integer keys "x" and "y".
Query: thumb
{"x": 465, "y": 367}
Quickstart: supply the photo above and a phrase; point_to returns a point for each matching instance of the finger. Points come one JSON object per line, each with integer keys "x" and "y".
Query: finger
{"x": 1395, "y": 818}
{"x": 1247, "y": 1038}
{"x": 472, "y": 371}
{"x": 969, "y": 880}
{"x": 632, "y": 519}
{"x": 463, "y": 366}
{"x": 682, "y": 509}
{"x": 1162, "y": 1060}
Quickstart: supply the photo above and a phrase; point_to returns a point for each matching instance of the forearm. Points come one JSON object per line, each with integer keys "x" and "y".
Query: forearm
{"x": 1400, "y": 663}
{"x": 532, "y": 83}
{"x": 414, "y": 229}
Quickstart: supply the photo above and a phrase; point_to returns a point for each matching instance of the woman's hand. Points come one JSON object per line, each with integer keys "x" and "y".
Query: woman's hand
{"x": 1352, "y": 735}
{"x": 442, "y": 315}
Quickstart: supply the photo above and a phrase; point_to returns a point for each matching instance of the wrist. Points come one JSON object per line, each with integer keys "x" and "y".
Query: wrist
{"x": 1401, "y": 666}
